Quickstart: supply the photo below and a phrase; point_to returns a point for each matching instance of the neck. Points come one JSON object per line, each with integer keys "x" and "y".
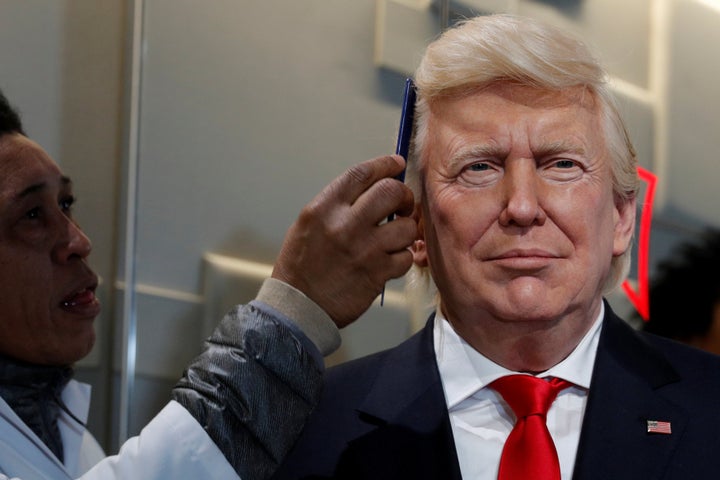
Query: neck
{"x": 33, "y": 392}
{"x": 531, "y": 346}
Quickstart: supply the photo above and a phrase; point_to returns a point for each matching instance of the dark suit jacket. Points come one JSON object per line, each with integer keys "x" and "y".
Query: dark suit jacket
{"x": 384, "y": 416}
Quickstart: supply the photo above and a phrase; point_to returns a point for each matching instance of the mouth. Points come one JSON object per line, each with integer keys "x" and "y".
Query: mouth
{"x": 82, "y": 302}
{"x": 525, "y": 259}
{"x": 518, "y": 253}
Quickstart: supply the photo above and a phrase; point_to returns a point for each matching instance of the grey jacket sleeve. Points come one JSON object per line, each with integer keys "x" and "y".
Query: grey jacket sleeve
{"x": 252, "y": 387}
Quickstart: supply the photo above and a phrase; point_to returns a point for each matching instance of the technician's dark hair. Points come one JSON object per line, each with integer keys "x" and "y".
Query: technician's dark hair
{"x": 686, "y": 289}
{"x": 9, "y": 117}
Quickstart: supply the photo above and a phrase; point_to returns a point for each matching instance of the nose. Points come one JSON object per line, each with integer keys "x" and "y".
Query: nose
{"x": 72, "y": 243}
{"x": 522, "y": 189}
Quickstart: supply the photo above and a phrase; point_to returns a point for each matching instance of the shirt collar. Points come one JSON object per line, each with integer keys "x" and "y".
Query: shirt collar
{"x": 464, "y": 370}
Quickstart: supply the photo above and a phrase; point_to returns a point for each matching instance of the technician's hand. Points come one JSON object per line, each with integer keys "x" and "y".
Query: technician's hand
{"x": 339, "y": 252}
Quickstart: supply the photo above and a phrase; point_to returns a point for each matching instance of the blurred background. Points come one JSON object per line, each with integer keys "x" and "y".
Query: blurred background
{"x": 196, "y": 130}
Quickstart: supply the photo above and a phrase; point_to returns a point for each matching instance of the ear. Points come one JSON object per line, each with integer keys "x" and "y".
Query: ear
{"x": 624, "y": 225}
{"x": 418, "y": 247}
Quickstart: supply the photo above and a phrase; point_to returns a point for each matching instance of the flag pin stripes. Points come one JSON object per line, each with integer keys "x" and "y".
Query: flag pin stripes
{"x": 656, "y": 426}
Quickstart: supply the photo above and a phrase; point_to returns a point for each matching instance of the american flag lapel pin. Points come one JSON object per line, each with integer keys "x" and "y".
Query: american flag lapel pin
{"x": 657, "y": 426}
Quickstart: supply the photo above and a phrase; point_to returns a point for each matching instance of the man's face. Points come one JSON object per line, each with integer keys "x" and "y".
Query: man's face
{"x": 517, "y": 210}
{"x": 47, "y": 290}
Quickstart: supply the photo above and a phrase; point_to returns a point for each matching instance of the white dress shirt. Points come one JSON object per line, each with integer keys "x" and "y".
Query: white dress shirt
{"x": 481, "y": 420}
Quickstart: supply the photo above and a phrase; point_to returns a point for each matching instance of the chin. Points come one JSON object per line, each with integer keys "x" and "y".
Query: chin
{"x": 75, "y": 351}
{"x": 528, "y": 310}
{"x": 87, "y": 348}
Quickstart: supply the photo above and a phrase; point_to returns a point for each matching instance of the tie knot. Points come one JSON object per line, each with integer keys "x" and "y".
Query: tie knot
{"x": 528, "y": 395}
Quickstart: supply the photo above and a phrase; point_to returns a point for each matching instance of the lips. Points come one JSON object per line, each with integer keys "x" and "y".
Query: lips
{"x": 524, "y": 260}
{"x": 82, "y": 297}
{"x": 518, "y": 253}
{"x": 82, "y": 302}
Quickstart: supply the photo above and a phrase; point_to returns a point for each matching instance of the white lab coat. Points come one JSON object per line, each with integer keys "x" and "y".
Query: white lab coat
{"x": 192, "y": 455}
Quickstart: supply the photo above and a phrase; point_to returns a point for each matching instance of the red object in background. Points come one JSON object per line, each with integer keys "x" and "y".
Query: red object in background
{"x": 640, "y": 298}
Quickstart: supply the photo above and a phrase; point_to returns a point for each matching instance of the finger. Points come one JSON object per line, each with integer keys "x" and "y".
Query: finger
{"x": 387, "y": 196}
{"x": 360, "y": 177}
{"x": 398, "y": 235}
{"x": 385, "y": 254}
{"x": 399, "y": 263}
{"x": 396, "y": 263}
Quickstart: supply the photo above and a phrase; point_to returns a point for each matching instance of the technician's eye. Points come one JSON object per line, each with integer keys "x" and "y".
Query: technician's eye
{"x": 33, "y": 213}
{"x": 67, "y": 203}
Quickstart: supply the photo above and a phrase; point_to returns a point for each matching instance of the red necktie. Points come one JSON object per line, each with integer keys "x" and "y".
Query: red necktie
{"x": 529, "y": 452}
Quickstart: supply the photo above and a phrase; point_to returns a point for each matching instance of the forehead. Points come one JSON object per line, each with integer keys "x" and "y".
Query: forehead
{"x": 504, "y": 113}
{"x": 513, "y": 99}
{"x": 24, "y": 164}
{"x": 533, "y": 97}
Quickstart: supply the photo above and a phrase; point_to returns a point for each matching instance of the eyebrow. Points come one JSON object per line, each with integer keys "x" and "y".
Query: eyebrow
{"x": 484, "y": 151}
{"x": 477, "y": 151}
{"x": 562, "y": 146}
{"x": 40, "y": 186}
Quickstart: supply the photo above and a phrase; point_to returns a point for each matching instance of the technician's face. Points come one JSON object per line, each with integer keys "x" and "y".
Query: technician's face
{"x": 47, "y": 290}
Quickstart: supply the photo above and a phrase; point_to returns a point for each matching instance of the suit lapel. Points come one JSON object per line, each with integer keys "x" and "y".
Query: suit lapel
{"x": 407, "y": 404}
{"x": 626, "y": 392}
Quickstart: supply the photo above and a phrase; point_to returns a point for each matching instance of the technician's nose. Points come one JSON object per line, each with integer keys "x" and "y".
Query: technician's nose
{"x": 73, "y": 243}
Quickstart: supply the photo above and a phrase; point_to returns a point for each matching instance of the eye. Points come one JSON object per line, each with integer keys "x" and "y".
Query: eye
{"x": 66, "y": 203}
{"x": 478, "y": 174}
{"x": 564, "y": 164}
{"x": 562, "y": 170}
{"x": 33, "y": 213}
{"x": 479, "y": 167}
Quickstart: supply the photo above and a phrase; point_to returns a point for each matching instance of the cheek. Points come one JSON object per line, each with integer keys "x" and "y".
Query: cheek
{"x": 454, "y": 229}
{"x": 28, "y": 332}
{"x": 462, "y": 217}
{"x": 597, "y": 230}
{"x": 26, "y": 303}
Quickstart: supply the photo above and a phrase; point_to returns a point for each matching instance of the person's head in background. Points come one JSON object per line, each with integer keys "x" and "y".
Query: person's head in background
{"x": 47, "y": 290}
{"x": 685, "y": 294}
